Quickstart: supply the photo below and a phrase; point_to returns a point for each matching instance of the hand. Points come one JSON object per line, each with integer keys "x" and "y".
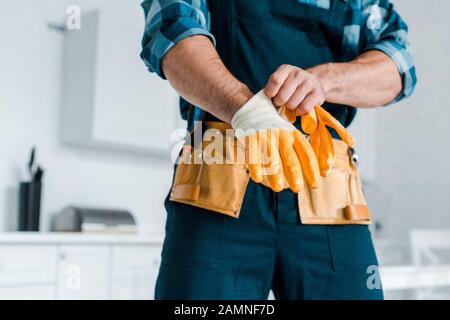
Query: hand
{"x": 295, "y": 88}
{"x": 276, "y": 152}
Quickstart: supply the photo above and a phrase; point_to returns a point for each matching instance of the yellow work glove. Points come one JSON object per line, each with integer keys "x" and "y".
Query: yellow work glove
{"x": 277, "y": 154}
{"x": 314, "y": 124}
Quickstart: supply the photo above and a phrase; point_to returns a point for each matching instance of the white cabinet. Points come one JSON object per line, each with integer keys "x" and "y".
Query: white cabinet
{"x": 83, "y": 272}
{"x": 27, "y": 264}
{"x": 77, "y": 266}
{"x": 27, "y": 272}
{"x": 111, "y": 100}
{"x": 47, "y": 292}
{"x": 130, "y": 290}
{"x": 134, "y": 272}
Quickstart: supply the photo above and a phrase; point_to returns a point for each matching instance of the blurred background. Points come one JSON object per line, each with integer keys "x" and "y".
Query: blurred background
{"x": 73, "y": 88}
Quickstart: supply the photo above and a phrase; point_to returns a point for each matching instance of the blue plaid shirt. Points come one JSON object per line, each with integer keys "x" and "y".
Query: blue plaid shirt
{"x": 370, "y": 25}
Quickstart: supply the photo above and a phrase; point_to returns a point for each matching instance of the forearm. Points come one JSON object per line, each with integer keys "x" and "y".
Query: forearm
{"x": 371, "y": 80}
{"x": 196, "y": 71}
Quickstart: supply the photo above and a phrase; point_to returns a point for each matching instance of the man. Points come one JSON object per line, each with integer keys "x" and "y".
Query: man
{"x": 230, "y": 238}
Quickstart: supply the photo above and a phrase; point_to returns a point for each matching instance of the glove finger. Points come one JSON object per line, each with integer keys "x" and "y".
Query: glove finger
{"x": 307, "y": 158}
{"x": 254, "y": 158}
{"x": 287, "y": 114}
{"x": 291, "y": 163}
{"x": 327, "y": 156}
{"x": 274, "y": 167}
{"x": 314, "y": 140}
{"x": 309, "y": 122}
{"x": 336, "y": 125}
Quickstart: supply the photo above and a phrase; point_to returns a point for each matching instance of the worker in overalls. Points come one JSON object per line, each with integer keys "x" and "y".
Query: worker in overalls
{"x": 297, "y": 70}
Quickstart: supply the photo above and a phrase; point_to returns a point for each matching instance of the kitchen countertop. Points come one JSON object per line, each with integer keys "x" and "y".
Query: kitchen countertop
{"x": 79, "y": 238}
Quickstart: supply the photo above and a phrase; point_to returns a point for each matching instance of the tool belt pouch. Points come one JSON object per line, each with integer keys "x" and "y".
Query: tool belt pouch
{"x": 218, "y": 186}
{"x": 340, "y": 198}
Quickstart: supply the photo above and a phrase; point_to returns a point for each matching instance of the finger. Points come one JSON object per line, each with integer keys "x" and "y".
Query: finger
{"x": 309, "y": 122}
{"x": 274, "y": 170}
{"x": 307, "y": 158}
{"x": 302, "y": 90}
{"x": 336, "y": 125}
{"x": 291, "y": 163}
{"x": 276, "y": 80}
{"x": 327, "y": 155}
{"x": 311, "y": 100}
{"x": 254, "y": 158}
{"x": 287, "y": 89}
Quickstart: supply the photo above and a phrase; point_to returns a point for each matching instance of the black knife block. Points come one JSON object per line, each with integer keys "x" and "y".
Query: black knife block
{"x": 29, "y": 205}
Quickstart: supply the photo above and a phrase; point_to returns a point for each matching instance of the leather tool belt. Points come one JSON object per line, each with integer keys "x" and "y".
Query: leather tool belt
{"x": 221, "y": 187}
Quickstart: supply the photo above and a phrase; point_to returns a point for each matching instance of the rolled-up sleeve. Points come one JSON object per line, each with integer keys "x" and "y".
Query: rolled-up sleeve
{"x": 166, "y": 23}
{"x": 386, "y": 31}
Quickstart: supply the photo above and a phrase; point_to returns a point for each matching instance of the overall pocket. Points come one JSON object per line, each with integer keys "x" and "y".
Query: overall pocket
{"x": 351, "y": 247}
{"x": 194, "y": 237}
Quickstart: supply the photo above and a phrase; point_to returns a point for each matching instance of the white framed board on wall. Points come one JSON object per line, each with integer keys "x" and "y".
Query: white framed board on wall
{"x": 109, "y": 99}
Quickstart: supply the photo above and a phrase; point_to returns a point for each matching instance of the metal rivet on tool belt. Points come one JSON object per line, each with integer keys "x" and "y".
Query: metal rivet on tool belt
{"x": 353, "y": 156}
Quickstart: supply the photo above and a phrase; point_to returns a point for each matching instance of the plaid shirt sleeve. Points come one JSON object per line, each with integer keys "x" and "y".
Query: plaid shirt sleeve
{"x": 386, "y": 31}
{"x": 166, "y": 23}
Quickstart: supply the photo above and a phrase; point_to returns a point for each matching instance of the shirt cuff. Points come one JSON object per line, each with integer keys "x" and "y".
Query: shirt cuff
{"x": 168, "y": 36}
{"x": 403, "y": 59}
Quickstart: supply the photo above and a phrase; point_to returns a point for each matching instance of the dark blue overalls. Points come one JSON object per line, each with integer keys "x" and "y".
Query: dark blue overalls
{"x": 213, "y": 256}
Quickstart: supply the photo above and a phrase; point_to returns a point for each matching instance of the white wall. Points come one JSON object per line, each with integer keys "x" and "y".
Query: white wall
{"x": 413, "y": 185}
{"x": 30, "y": 88}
